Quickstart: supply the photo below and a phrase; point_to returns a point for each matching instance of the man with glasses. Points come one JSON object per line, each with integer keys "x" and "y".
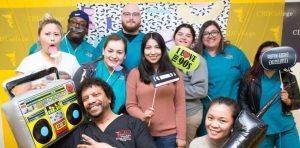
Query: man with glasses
{"x": 73, "y": 42}
{"x": 131, "y": 22}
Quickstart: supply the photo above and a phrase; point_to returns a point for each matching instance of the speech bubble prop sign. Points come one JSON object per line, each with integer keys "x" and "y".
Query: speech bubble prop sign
{"x": 278, "y": 58}
{"x": 184, "y": 59}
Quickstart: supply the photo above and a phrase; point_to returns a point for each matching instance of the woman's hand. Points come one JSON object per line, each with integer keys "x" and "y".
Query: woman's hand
{"x": 285, "y": 98}
{"x": 148, "y": 114}
{"x": 180, "y": 143}
{"x": 62, "y": 75}
{"x": 92, "y": 143}
{"x": 38, "y": 86}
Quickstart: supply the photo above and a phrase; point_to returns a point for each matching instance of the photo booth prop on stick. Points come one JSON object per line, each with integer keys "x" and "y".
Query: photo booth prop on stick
{"x": 278, "y": 58}
{"x": 40, "y": 117}
{"x": 161, "y": 79}
{"x": 249, "y": 130}
{"x": 184, "y": 59}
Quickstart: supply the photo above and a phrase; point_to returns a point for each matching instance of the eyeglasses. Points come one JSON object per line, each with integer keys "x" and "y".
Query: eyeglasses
{"x": 213, "y": 33}
{"x": 81, "y": 24}
{"x": 134, "y": 14}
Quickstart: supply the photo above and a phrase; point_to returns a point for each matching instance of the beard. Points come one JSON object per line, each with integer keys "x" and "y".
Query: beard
{"x": 130, "y": 29}
{"x": 104, "y": 108}
{"x": 75, "y": 38}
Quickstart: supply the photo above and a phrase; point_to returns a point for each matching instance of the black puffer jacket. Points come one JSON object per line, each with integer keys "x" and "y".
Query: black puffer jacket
{"x": 250, "y": 92}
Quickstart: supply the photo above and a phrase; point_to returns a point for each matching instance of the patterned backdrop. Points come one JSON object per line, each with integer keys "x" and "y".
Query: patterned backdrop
{"x": 158, "y": 17}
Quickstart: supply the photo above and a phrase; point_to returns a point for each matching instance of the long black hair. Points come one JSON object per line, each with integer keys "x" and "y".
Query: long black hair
{"x": 145, "y": 68}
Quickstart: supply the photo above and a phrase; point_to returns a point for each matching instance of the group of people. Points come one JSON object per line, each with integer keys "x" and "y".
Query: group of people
{"x": 126, "y": 110}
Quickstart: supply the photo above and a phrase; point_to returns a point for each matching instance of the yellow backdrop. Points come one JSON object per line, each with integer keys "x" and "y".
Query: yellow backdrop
{"x": 250, "y": 23}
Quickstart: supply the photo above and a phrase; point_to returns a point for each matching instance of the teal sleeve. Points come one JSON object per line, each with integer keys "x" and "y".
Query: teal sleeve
{"x": 245, "y": 65}
{"x": 99, "y": 47}
{"x": 34, "y": 48}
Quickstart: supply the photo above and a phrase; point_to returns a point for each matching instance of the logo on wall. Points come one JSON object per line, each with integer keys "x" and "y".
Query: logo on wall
{"x": 291, "y": 26}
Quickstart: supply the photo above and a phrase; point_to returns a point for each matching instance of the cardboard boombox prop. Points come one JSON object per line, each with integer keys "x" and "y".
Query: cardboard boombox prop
{"x": 249, "y": 130}
{"x": 40, "y": 117}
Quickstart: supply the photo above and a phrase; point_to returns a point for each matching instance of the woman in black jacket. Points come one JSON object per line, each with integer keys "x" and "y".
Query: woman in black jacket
{"x": 258, "y": 87}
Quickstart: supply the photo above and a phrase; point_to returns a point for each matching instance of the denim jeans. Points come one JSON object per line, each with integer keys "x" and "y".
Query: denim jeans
{"x": 165, "y": 141}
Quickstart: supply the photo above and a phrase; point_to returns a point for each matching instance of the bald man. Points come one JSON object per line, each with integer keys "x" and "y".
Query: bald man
{"x": 131, "y": 23}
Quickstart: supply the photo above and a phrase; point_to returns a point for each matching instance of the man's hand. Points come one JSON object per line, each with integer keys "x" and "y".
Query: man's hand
{"x": 92, "y": 143}
{"x": 180, "y": 143}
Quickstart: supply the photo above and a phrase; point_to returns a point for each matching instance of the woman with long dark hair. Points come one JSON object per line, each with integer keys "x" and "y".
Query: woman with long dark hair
{"x": 258, "y": 87}
{"x": 162, "y": 108}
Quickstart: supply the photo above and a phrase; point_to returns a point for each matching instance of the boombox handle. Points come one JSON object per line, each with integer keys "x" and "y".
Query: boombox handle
{"x": 28, "y": 78}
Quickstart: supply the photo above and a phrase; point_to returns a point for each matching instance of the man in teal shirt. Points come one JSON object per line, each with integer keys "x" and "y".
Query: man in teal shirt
{"x": 131, "y": 22}
{"x": 73, "y": 42}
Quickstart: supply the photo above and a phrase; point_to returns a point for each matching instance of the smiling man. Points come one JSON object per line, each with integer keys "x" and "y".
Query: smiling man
{"x": 105, "y": 129}
{"x": 131, "y": 23}
{"x": 73, "y": 41}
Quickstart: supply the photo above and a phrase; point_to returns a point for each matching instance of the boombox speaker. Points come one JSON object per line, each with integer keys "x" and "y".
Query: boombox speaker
{"x": 40, "y": 117}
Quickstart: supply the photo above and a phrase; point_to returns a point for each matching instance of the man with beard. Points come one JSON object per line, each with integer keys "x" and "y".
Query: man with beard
{"x": 73, "y": 42}
{"x": 105, "y": 129}
{"x": 131, "y": 22}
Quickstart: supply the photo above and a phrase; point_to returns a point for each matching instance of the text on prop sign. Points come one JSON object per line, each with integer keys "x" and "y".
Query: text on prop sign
{"x": 184, "y": 59}
{"x": 278, "y": 58}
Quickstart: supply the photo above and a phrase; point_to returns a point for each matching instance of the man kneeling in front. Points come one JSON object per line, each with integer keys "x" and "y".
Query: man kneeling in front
{"x": 105, "y": 129}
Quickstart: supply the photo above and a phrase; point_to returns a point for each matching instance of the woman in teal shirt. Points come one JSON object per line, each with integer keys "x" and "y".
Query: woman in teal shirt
{"x": 258, "y": 87}
{"x": 109, "y": 69}
{"x": 226, "y": 65}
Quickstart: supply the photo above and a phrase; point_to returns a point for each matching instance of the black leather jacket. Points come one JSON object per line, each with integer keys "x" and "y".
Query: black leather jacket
{"x": 250, "y": 92}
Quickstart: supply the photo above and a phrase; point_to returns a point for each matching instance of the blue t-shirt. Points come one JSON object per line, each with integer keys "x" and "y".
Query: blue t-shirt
{"x": 276, "y": 120}
{"x": 225, "y": 71}
{"x": 117, "y": 82}
{"x": 85, "y": 52}
{"x": 133, "y": 54}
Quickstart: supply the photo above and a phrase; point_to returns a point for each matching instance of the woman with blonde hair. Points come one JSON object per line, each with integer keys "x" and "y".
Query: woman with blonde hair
{"x": 49, "y": 35}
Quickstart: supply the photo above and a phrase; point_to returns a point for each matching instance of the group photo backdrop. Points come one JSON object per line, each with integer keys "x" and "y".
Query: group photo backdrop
{"x": 245, "y": 24}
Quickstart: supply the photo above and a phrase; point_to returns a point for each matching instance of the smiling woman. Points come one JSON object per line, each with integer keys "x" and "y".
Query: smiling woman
{"x": 168, "y": 111}
{"x": 109, "y": 69}
{"x": 219, "y": 122}
{"x": 195, "y": 82}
